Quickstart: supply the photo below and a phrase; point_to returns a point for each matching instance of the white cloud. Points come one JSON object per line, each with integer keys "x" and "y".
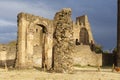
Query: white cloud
{"x": 4, "y": 23}
{"x": 101, "y": 14}
{"x": 11, "y": 8}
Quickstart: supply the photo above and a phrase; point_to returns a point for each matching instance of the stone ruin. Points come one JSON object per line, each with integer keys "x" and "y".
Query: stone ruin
{"x": 54, "y": 44}
{"x": 7, "y": 54}
{"x": 63, "y": 41}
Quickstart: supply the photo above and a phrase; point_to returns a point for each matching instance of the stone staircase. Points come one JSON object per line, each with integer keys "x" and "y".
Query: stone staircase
{"x": 84, "y": 56}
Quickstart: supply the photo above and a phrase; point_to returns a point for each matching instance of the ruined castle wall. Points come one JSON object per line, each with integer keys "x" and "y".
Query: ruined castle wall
{"x": 63, "y": 39}
{"x": 3, "y": 58}
{"x": 7, "y": 54}
{"x": 30, "y": 39}
{"x": 83, "y": 56}
{"x": 35, "y": 40}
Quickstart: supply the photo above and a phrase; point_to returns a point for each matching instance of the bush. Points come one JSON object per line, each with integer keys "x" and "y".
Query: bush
{"x": 98, "y": 48}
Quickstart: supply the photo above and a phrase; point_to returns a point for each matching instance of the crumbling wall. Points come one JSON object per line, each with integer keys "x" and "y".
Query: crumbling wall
{"x": 83, "y": 56}
{"x": 63, "y": 41}
{"x": 83, "y": 22}
{"x": 3, "y": 54}
{"x": 35, "y": 42}
{"x": 8, "y": 54}
{"x": 30, "y": 38}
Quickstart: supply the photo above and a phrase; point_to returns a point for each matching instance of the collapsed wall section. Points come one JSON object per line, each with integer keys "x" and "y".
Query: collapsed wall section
{"x": 8, "y": 54}
{"x": 63, "y": 41}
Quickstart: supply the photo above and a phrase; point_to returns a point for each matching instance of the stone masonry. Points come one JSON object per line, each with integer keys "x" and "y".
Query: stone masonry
{"x": 49, "y": 44}
{"x": 34, "y": 41}
{"x": 8, "y": 54}
{"x": 36, "y": 46}
{"x": 63, "y": 41}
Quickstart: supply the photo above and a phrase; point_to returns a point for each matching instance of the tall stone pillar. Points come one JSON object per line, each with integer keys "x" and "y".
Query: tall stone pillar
{"x": 21, "y": 40}
{"x": 118, "y": 33}
{"x": 29, "y": 48}
{"x": 63, "y": 41}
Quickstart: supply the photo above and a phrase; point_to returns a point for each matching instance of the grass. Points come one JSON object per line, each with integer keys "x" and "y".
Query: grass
{"x": 79, "y": 66}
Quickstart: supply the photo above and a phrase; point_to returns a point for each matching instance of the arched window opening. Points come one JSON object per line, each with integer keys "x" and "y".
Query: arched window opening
{"x": 84, "y": 37}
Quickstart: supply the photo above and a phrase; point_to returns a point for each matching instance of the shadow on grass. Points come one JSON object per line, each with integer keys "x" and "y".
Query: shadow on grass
{"x": 106, "y": 67}
{"x": 93, "y": 68}
{"x": 38, "y": 68}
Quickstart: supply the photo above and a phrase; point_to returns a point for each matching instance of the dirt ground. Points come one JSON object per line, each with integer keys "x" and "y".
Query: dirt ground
{"x": 90, "y": 73}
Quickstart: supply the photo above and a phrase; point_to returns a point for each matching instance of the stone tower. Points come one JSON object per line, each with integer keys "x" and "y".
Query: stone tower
{"x": 82, "y": 30}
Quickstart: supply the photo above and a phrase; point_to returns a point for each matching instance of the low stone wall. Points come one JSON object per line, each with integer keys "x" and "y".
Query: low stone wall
{"x": 83, "y": 56}
{"x": 8, "y": 54}
{"x": 9, "y": 60}
{"x": 9, "y": 63}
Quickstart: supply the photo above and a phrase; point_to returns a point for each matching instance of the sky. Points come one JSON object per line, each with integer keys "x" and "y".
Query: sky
{"x": 102, "y": 15}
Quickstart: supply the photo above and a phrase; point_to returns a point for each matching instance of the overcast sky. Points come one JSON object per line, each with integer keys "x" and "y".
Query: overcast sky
{"x": 102, "y": 15}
